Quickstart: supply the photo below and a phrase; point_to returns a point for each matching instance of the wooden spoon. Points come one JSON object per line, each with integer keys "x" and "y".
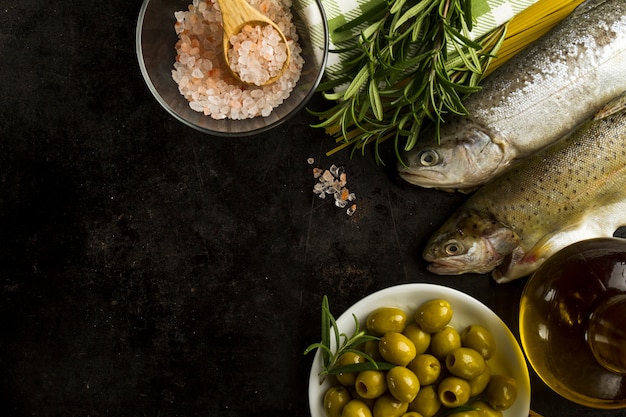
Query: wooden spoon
{"x": 235, "y": 15}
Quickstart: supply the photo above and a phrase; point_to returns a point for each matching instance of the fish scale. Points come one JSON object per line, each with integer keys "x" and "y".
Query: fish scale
{"x": 570, "y": 191}
{"x": 541, "y": 94}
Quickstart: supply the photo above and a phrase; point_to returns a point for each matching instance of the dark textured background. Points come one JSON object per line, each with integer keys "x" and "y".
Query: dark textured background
{"x": 147, "y": 269}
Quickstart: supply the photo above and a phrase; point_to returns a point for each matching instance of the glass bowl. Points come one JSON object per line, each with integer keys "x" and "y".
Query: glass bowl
{"x": 573, "y": 322}
{"x": 155, "y": 44}
{"x": 508, "y": 359}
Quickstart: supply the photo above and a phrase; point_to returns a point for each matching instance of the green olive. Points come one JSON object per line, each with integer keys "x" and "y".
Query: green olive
{"x": 480, "y": 339}
{"x": 348, "y": 358}
{"x": 419, "y": 337}
{"x": 334, "y": 401}
{"x": 485, "y": 410}
{"x": 386, "y": 319}
{"x": 479, "y": 383}
{"x": 433, "y": 315}
{"x": 412, "y": 414}
{"x": 396, "y": 348}
{"x": 465, "y": 363}
{"x": 355, "y": 396}
{"x": 501, "y": 391}
{"x": 389, "y": 406}
{"x": 444, "y": 342}
{"x": 426, "y": 402}
{"x": 453, "y": 391}
{"x": 402, "y": 383}
{"x": 356, "y": 408}
{"x": 370, "y": 348}
{"x": 370, "y": 384}
{"x": 427, "y": 368}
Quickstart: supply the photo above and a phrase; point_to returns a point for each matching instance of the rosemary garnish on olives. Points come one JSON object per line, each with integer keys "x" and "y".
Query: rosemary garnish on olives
{"x": 344, "y": 344}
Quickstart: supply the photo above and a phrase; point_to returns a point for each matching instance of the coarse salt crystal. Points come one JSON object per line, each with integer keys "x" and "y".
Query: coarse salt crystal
{"x": 327, "y": 176}
{"x": 318, "y": 188}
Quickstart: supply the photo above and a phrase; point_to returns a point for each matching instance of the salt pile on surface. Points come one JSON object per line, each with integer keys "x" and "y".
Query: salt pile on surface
{"x": 258, "y": 54}
{"x": 333, "y": 181}
{"x": 203, "y": 76}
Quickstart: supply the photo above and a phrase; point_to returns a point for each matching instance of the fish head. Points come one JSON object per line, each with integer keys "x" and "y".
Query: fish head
{"x": 470, "y": 242}
{"x": 466, "y": 155}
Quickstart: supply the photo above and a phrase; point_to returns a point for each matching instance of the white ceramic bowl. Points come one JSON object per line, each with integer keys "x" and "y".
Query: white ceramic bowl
{"x": 155, "y": 40}
{"x": 508, "y": 359}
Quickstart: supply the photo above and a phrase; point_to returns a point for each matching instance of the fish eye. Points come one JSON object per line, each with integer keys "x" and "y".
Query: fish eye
{"x": 429, "y": 158}
{"x": 453, "y": 248}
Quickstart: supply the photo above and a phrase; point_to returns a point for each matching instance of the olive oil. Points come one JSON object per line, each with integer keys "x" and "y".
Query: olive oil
{"x": 573, "y": 322}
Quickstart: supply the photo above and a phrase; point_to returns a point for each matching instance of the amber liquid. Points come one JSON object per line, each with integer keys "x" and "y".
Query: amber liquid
{"x": 573, "y": 323}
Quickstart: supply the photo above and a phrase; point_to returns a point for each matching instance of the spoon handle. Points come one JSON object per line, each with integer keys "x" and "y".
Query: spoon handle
{"x": 235, "y": 13}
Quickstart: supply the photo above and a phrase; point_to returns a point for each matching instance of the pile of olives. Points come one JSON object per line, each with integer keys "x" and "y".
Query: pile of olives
{"x": 436, "y": 368}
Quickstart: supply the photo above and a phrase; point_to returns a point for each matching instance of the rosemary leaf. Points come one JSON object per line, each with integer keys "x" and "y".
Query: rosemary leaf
{"x": 396, "y": 6}
{"x": 411, "y": 13}
{"x": 368, "y": 32}
{"x": 455, "y": 410}
{"x": 374, "y": 96}
{"x": 332, "y": 96}
{"x": 326, "y": 353}
{"x": 460, "y": 39}
{"x": 357, "y": 83}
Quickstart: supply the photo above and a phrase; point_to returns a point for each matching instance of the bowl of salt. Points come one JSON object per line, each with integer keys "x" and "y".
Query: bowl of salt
{"x": 180, "y": 52}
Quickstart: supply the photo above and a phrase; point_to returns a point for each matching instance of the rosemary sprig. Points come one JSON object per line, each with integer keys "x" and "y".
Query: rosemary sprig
{"x": 414, "y": 63}
{"x": 343, "y": 343}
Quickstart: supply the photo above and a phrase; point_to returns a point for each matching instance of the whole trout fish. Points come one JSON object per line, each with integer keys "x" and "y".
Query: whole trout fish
{"x": 540, "y": 95}
{"x": 573, "y": 190}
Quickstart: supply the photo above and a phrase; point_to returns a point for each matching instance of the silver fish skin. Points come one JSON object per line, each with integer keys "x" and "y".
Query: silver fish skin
{"x": 544, "y": 92}
{"x": 573, "y": 190}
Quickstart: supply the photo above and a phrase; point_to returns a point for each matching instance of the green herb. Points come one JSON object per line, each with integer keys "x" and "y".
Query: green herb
{"x": 461, "y": 409}
{"x": 414, "y": 63}
{"x": 343, "y": 344}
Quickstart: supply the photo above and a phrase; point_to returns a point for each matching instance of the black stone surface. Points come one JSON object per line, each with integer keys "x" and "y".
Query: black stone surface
{"x": 147, "y": 269}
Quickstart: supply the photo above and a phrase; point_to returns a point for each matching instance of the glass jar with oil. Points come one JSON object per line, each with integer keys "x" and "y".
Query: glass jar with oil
{"x": 573, "y": 322}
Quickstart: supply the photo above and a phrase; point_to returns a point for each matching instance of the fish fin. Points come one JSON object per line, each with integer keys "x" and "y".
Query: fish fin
{"x": 615, "y": 105}
{"x": 546, "y": 246}
{"x": 513, "y": 267}
{"x": 522, "y": 263}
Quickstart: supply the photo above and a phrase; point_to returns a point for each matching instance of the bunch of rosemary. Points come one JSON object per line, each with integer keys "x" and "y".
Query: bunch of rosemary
{"x": 414, "y": 62}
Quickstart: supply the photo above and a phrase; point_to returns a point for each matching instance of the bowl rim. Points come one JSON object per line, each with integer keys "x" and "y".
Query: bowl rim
{"x": 410, "y": 296}
{"x": 177, "y": 116}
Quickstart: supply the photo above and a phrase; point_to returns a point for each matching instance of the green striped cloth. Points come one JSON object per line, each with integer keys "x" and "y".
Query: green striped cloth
{"x": 489, "y": 14}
